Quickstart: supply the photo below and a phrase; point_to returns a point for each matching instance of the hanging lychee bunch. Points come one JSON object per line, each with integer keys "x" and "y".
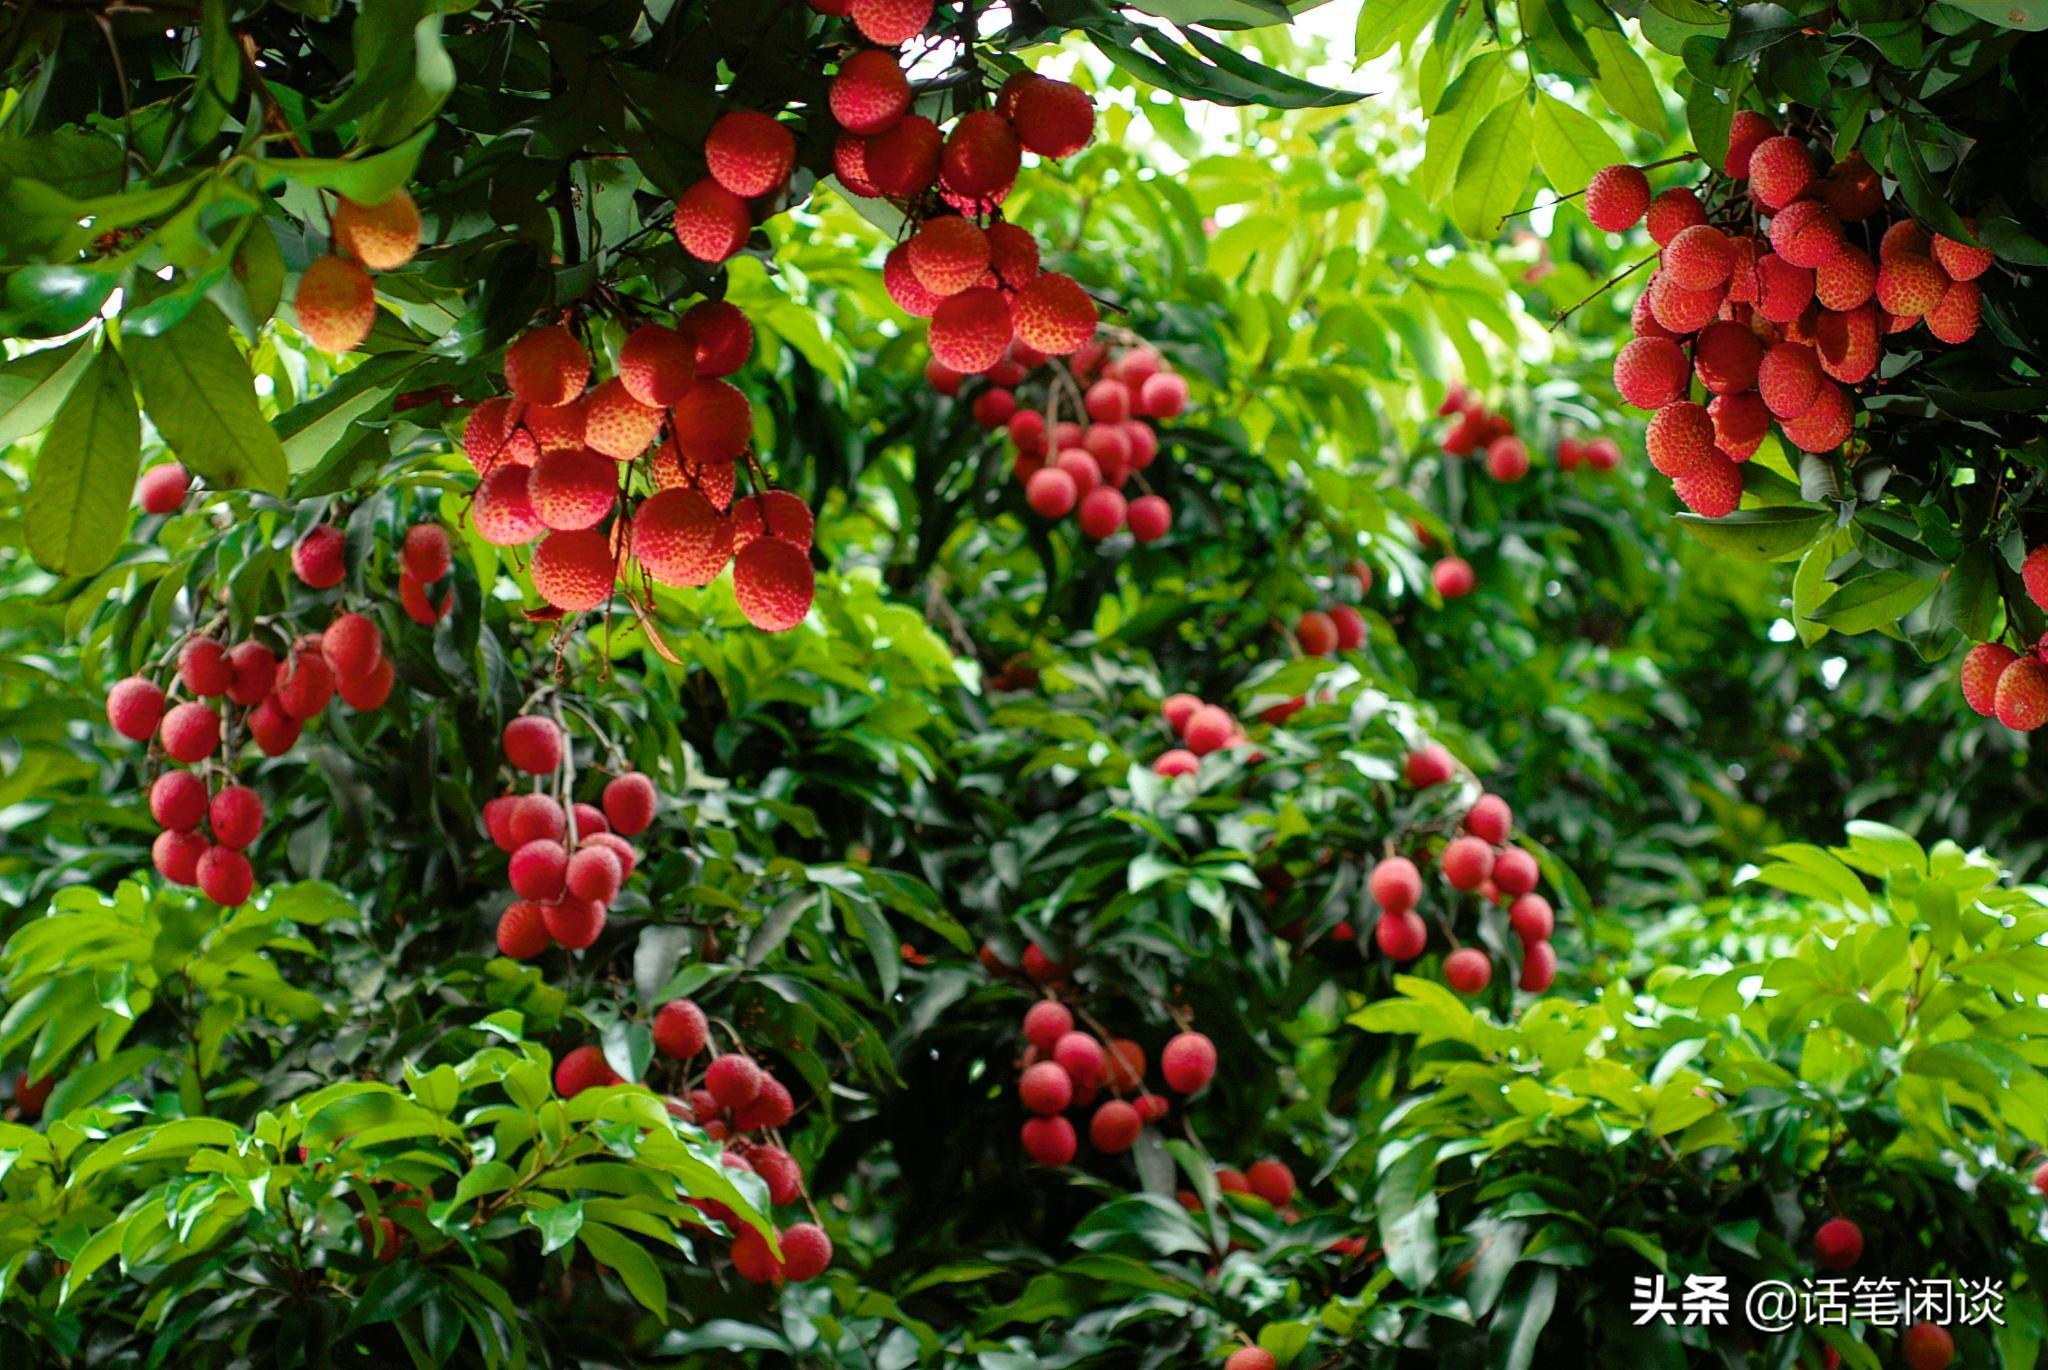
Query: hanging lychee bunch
{"x": 737, "y": 1102}
{"x": 638, "y": 471}
{"x": 336, "y": 303}
{"x": 2012, "y": 686}
{"x": 567, "y": 859}
{"x": 1082, "y": 465}
{"x": 1339, "y": 628}
{"x": 1270, "y": 1179}
{"x": 1479, "y": 860}
{"x": 1476, "y": 428}
{"x": 1066, "y": 1070}
{"x": 1775, "y": 293}
{"x": 1201, "y": 729}
{"x": 236, "y": 695}
{"x": 975, "y": 276}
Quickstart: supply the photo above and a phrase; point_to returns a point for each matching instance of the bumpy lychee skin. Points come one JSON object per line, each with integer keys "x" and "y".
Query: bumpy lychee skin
{"x": 335, "y": 304}
{"x": 1396, "y": 884}
{"x": 970, "y": 330}
{"x": 656, "y": 365}
{"x": 1783, "y": 290}
{"x": 503, "y": 512}
{"x": 176, "y": 855}
{"x": 1847, "y": 343}
{"x": 1698, "y": 257}
{"x": 850, "y": 165}
{"x": 619, "y": 425}
{"x": 1049, "y": 1141}
{"x": 1453, "y": 577}
{"x": 203, "y": 666}
{"x": 573, "y": 570}
{"x": 1114, "y": 1128}
{"x": 1746, "y": 130}
{"x": 1187, "y": 1062}
{"x": 383, "y": 236}
{"x": 712, "y": 422}
{"x": 949, "y": 255}
{"x": 177, "y": 801}
{"x": 773, "y": 513}
{"x": 1805, "y": 233}
{"x": 533, "y": 744}
{"x": 2021, "y": 698}
{"x": 1846, "y": 279}
{"x": 1983, "y": 664}
{"x": 981, "y": 155}
{"x": 236, "y": 816}
{"x": 1052, "y": 118}
{"x": 275, "y": 732}
{"x": 1780, "y": 170}
{"x": 1681, "y": 310}
{"x": 493, "y": 436}
{"x": 135, "y": 707}
{"x": 1642, "y": 318}
{"x": 584, "y": 1068}
{"x": 1101, "y": 512}
{"x": 870, "y": 92}
{"x": 163, "y": 487}
{"x": 547, "y": 366}
{"x": 1672, "y": 212}
{"x": 1466, "y": 862}
{"x": 1713, "y": 489}
{"x": 225, "y": 876}
{"x": 1741, "y": 422}
{"x": 1727, "y": 355}
{"x": 711, "y": 222}
{"x": 721, "y": 335}
{"x": 909, "y": 293}
{"x": 1209, "y": 729}
{"x": 1617, "y": 198}
{"x": 1401, "y": 936}
{"x": 890, "y": 23}
{"x": 523, "y": 931}
{"x": 1852, "y": 189}
{"x": 903, "y": 160}
{"x": 319, "y": 559}
{"x": 1051, "y": 492}
{"x": 1788, "y": 379}
{"x": 681, "y": 539}
{"x": 774, "y": 584}
{"x": 1055, "y": 315}
{"x": 1468, "y": 970}
{"x": 1825, "y": 425}
{"x": 2034, "y": 575}
{"x": 1909, "y": 284}
{"x": 573, "y": 490}
{"x": 305, "y": 686}
{"x": 1680, "y": 439}
{"x": 1962, "y": 261}
{"x": 749, "y": 153}
{"x": 806, "y": 1252}
{"x": 1650, "y": 372}
{"x": 255, "y": 672}
{"x": 1955, "y": 318}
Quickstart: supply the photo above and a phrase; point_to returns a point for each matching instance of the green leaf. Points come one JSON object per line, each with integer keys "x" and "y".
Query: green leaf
{"x": 2031, "y": 15}
{"x": 1383, "y": 23}
{"x": 1228, "y": 14}
{"x": 1752, "y": 28}
{"x": 558, "y": 1225}
{"x": 1773, "y": 534}
{"x": 34, "y": 384}
{"x": 630, "y": 1261}
{"x": 1465, "y": 104}
{"x": 1494, "y": 171}
{"x": 1669, "y": 24}
{"x": 198, "y": 391}
{"x": 76, "y": 512}
{"x": 1519, "y": 1321}
{"x": 1874, "y": 601}
{"x": 1570, "y": 147}
{"x": 1625, "y": 82}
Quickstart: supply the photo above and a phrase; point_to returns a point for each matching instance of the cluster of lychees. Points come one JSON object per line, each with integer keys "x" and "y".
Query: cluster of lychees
{"x": 567, "y": 863}
{"x": 737, "y": 1102}
{"x": 1202, "y": 729}
{"x": 1082, "y": 465}
{"x": 1064, "y": 1069}
{"x": 320, "y": 561}
{"x": 1479, "y": 861}
{"x": 1776, "y": 299}
{"x": 1476, "y": 428}
{"x": 975, "y": 276}
{"x": 1268, "y": 1179}
{"x": 336, "y": 303}
{"x": 239, "y": 693}
{"x": 2011, "y": 686}
{"x": 640, "y": 467}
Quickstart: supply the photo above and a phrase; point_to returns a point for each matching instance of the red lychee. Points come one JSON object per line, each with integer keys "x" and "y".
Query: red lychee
{"x": 870, "y": 93}
{"x": 1955, "y": 317}
{"x": 162, "y": 488}
{"x": 1453, "y": 577}
{"x": 224, "y": 876}
{"x": 1049, "y": 1141}
{"x": 1698, "y": 257}
{"x": 2021, "y": 700}
{"x": 1396, "y": 884}
{"x": 547, "y": 366}
{"x": 1400, "y": 936}
{"x": 749, "y": 153}
{"x": 1962, "y": 261}
{"x": 949, "y": 255}
{"x": 1187, "y": 1062}
{"x": 1054, "y": 314}
{"x": 1671, "y": 213}
{"x": 1650, "y": 372}
{"x": 1846, "y": 279}
{"x": 656, "y": 365}
{"x": 1780, "y": 170}
{"x": 319, "y": 559}
{"x": 1745, "y": 131}
{"x": 382, "y": 236}
{"x": 1909, "y": 284}
{"x": 572, "y": 490}
{"x": 890, "y": 23}
{"x": 981, "y": 154}
{"x": 584, "y": 1068}
{"x": 711, "y": 222}
{"x": 712, "y": 422}
{"x": 774, "y": 584}
{"x": 177, "y": 801}
{"x": 1783, "y": 290}
{"x": 502, "y": 511}
{"x": 1741, "y": 422}
{"x": 720, "y": 333}
{"x": 1727, "y": 355}
{"x": 1838, "y": 1244}
{"x": 1101, "y": 512}
{"x": 905, "y": 289}
{"x": 1150, "y": 518}
{"x": 1680, "y": 438}
{"x": 970, "y": 330}
{"x": 135, "y": 706}
{"x": 1045, "y": 1088}
{"x": 1051, "y": 493}
{"x": 523, "y": 932}
{"x": 1712, "y": 489}
{"x": 1466, "y": 862}
{"x": 1983, "y": 664}
{"x": 1617, "y": 197}
{"x": 1052, "y": 118}
{"x": 903, "y": 160}
{"x": 190, "y": 732}
{"x": 1805, "y": 233}
{"x": 1788, "y": 379}
{"x": 1827, "y": 422}
{"x": 1468, "y": 970}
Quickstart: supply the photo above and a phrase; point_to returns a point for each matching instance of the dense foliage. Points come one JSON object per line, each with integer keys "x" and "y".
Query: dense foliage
{"x": 329, "y": 1124}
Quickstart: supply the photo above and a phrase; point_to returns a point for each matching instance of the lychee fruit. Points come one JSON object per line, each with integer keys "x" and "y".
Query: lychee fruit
{"x": 870, "y": 92}
{"x": 1051, "y": 493}
{"x": 319, "y": 560}
{"x": 235, "y": 816}
{"x": 1926, "y": 1346}
{"x": 711, "y": 222}
{"x": 903, "y": 160}
{"x": 1539, "y": 967}
{"x": 1617, "y": 198}
{"x": 1176, "y": 762}
{"x": 1852, "y": 189}
{"x": 1782, "y": 290}
{"x": 1745, "y": 131}
{"x": 573, "y": 490}
{"x": 523, "y": 931}
{"x": 1838, "y": 1244}
{"x": 806, "y": 1250}
{"x": 772, "y": 513}
{"x": 1788, "y": 379}
{"x": 1847, "y": 344}
{"x": 1680, "y": 438}
{"x": 1983, "y": 664}
{"x": 1846, "y": 279}
{"x": 573, "y": 570}
{"x": 749, "y": 153}
{"x": 306, "y": 685}
{"x": 1052, "y": 118}
{"x": 382, "y": 236}
{"x": 274, "y": 731}
{"x": 581, "y": 1069}
{"x": 177, "y": 801}
{"x": 712, "y": 422}
{"x": 176, "y": 853}
{"x": 774, "y": 584}
{"x": 1805, "y": 233}
{"x": 656, "y": 365}
{"x": 255, "y": 672}
{"x": 1101, "y": 512}
{"x": 1054, "y": 314}
{"x": 547, "y": 366}
{"x": 1955, "y": 317}
{"x": 1713, "y": 489}
{"x": 1727, "y": 355}
{"x": 502, "y": 511}
{"x": 949, "y": 255}
{"x": 1049, "y": 1141}
{"x": 1962, "y": 261}
{"x": 1045, "y": 1088}
{"x": 162, "y": 488}
{"x": 1150, "y": 518}
{"x": 1400, "y": 936}
{"x": 1466, "y": 862}
{"x": 2021, "y": 699}
{"x": 135, "y": 707}
{"x": 970, "y": 330}
{"x": 1650, "y": 372}
{"x": 1012, "y": 255}
{"x": 890, "y": 23}
{"x": 190, "y": 732}
{"x": 1683, "y": 311}
{"x": 224, "y": 876}
{"x": 719, "y": 331}
{"x": 335, "y": 303}
{"x": 1698, "y": 257}
{"x": 1468, "y": 970}
{"x": 1187, "y": 1062}
{"x": 1396, "y": 884}
{"x": 1741, "y": 422}
{"x": 493, "y": 436}
{"x": 1909, "y": 284}
{"x": 1209, "y": 729}
{"x": 1672, "y": 212}
{"x": 981, "y": 154}
{"x": 1827, "y": 422}
{"x": 617, "y": 424}
{"x": 1780, "y": 170}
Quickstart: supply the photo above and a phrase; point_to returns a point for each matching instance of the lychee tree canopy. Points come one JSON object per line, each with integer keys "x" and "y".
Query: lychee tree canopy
{"x": 1763, "y": 1017}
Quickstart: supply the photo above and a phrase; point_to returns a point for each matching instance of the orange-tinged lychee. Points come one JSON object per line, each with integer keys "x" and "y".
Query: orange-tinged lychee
{"x": 681, "y": 539}
{"x": 711, "y": 222}
{"x": 656, "y": 365}
{"x": 382, "y": 236}
{"x": 573, "y": 570}
{"x": 774, "y": 584}
{"x": 547, "y": 366}
{"x": 335, "y": 303}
